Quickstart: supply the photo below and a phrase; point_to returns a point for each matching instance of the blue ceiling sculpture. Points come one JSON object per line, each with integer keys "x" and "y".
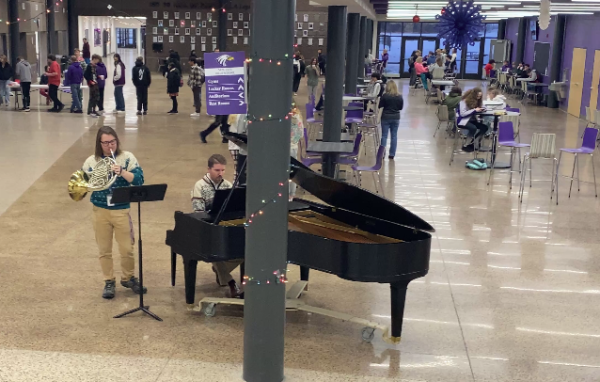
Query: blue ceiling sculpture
{"x": 460, "y": 24}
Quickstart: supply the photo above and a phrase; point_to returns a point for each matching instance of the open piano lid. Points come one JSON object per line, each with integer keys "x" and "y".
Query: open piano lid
{"x": 346, "y": 196}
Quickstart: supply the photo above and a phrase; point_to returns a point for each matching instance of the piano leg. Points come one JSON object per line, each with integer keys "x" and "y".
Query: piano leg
{"x": 173, "y": 267}
{"x": 190, "y": 267}
{"x": 398, "y": 293}
{"x": 304, "y": 272}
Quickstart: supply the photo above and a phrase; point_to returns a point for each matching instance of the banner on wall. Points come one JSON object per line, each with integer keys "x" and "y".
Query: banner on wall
{"x": 225, "y": 83}
{"x": 97, "y": 37}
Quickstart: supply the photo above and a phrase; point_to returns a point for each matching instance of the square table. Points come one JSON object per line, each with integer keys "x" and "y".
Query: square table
{"x": 344, "y": 138}
{"x": 442, "y": 83}
{"x": 330, "y": 147}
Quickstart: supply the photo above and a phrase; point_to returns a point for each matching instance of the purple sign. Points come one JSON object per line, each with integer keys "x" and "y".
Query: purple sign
{"x": 225, "y": 83}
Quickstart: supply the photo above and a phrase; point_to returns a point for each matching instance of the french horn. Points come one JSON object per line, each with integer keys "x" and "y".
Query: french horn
{"x": 102, "y": 178}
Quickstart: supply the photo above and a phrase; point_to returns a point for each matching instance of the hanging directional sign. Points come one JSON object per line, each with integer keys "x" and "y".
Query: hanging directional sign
{"x": 225, "y": 83}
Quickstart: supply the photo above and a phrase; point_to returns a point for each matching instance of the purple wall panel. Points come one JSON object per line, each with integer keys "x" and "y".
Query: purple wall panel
{"x": 579, "y": 33}
{"x": 512, "y": 28}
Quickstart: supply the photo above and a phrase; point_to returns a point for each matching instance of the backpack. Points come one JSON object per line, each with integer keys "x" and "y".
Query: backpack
{"x": 381, "y": 90}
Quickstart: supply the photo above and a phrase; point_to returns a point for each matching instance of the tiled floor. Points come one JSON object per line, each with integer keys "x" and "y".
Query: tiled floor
{"x": 512, "y": 293}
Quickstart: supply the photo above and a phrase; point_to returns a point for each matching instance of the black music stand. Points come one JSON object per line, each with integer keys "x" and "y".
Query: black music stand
{"x": 139, "y": 194}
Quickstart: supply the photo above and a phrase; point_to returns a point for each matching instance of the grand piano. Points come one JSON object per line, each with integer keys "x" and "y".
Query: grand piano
{"x": 355, "y": 235}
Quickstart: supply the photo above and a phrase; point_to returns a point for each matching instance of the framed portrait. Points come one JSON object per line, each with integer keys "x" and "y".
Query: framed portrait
{"x": 203, "y": 40}
{"x": 171, "y": 23}
{"x": 188, "y": 15}
{"x": 177, "y": 31}
{"x": 299, "y": 25}
{"x": 197, "y": 31}
{"x": 187, "y": 31}
{"x": 214, "y": 47}
{"x": 229, "y": 32}
{"x": 177, "y": 15}
{"x": 209, "y": 16}
{"x": 214, "y": 40}
{"x": 209, "y": 32}
{"x": 245, "y": 40}
{"x": 182, "y": 39}
{"x": 230, "y": 16}
{"x": 299, "y": 41}
{"x": 160, "y": 23}
{"x": 193, "y": 40}
{"x": 311, "y": 26}
{"x": 304, "y": 33}
{"x": 170, "y": 38}
{"x": 192, "y": 24}
{"x": 160, "y": 38}
{"x": 235, "y": 40}
{"x": 154, "y": 39}
{"x": 240, "y": 32}
{"x": 203, "y": 24}
{"x": 166, "y": 31}
{"x": 241, "y": 17}
{"x": 165, "y": 15}
{"x": 193, "y": 47}
{"x": 215, "y": 24}
{"x": 295, "y": 33}
{"x": 320, "y": 42}
{"x": 198, "y": 15}
{"x": 154, "y": 30}
{"x": 246, "y": 24}
{"x": 305, "y": 18}
{"x": 235, "y": 25}
{"x": 154, "y": 14}
{"x": 310, "y": 40}
{"x": 204, "y": 47}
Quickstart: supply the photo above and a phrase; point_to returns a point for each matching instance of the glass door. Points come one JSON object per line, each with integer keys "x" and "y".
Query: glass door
{"x": 428, "y": 45}
{"x": 472, "y": 66}
{"x": 409, "y": 45}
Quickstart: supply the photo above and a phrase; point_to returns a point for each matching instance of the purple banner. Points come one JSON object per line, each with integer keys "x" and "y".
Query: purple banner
{"x": 225, "y": 83}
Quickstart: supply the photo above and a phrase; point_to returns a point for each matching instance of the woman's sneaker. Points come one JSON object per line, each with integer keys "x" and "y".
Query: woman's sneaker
{"x": 109, "y": 290}
{"x": 134, "y": 285}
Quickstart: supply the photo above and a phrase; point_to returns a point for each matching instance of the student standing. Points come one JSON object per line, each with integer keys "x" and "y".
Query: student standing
{"x": 119, "y": 82}
{"x": 91, "y": 76}
{"x": 322, "y": 60}
{"x": 74, "y": 77}
{"x": 312, "y": 75}
{"x": 384, "y": 59}
{"x": 6, "y": 73}
{"x": 23, "y": 71}
{"x": 142, "y": 80}
{"x": 86, "y": 51}
{"x": 102, "y": 75}
{"x": 297, "y": 67}
{"x": 53, "y": 84}
{"x": 392, "y": 103}
{"x": 195, "y": 82}
{"x": 173, "y": 82}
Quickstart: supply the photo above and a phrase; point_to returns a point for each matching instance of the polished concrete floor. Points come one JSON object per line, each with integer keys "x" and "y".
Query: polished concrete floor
{"x": 512, "y": 292}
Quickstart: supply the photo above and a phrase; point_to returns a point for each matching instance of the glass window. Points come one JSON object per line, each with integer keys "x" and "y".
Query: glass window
{"x": 491, "y": 30}
{"x": 394, "y": 48}
{"x": 410, "y": 45}
{"x": 411, "y": 29}
{"x": 472, "y": 58}
{"x": 394, "y": 29}
{"x": 393, "y": 69}
{"x": 429, "y": 29}
{"x": 486, "y": 50}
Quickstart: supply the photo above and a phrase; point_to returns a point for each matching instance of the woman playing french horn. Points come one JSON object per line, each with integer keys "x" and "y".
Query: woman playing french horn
{"x": 109, "y": 218}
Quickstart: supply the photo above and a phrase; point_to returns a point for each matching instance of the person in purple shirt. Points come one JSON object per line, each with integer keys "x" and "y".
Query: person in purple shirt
{"x": 505, "y": 67}
{"x": 384, "y": 58}
{"x": 102, "y": 74}
{"x": 74, "y": 77}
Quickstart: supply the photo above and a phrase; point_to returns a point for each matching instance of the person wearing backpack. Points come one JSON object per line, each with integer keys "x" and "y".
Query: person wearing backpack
{"x": 195, "y": 82}
{"x": 375, "y": 89}
{"x": 142, "y": 80}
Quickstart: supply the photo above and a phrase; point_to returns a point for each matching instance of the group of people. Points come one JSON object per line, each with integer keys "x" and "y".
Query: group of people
{"x": 522, "y": 71}
{"x": 436, "y": 65}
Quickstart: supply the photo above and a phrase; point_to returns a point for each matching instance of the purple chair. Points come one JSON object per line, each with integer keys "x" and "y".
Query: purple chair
{"x": 513, "y": 109}
{"x": 588, "y": 146}
{"x": 355, "y": 116}
{"x": 351, "y": 158}
{"x": 304, "y": 158}
{"x": 506, "y": 138}
{"x": 372, "y": 169}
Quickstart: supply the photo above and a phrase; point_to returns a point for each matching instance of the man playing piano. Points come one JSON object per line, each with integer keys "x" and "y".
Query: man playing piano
{"x": 202, "y": 200}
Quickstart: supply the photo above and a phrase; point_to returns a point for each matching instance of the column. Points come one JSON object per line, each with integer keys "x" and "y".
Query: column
{"x": 13, "y": 15}
{"x": 501, "y": 29}
{"x": 370, "y": 36}
{"x": 73, "y": 33}
{"x": 522, "y": 35}
{"x": 52, "y": 37}
{"x": 268, "y": 174}
{"x": 362, "y": 47}
{"x": 334, "y": 82}
{"x": 352, "y": 53}
{"x": 556, "y": 58}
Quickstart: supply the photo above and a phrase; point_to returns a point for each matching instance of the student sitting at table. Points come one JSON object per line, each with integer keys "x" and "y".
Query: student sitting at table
{"x": 520, "y": 70}
{"x": 505, "y": 67}
{"x": 529, "y": 75}
{"x": 498, "y": 102}
{"x": 471, "y": 103}
{"x": 452, "y": 101}
{"x": 421, "y": 71}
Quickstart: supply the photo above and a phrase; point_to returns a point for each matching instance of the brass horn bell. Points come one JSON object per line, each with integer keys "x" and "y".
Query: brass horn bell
{"x": 78, "y": 185}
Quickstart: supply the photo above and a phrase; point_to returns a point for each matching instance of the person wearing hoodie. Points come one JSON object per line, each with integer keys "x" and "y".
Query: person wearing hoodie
{"x": 23, "y": 72}
{"x": 6, "y": 73}
{"x": 74, "y": 77}
{"x": 119, "y": 82}
{"x": 142, "y": 80}
{"x": 91, "y": 77}
{"x": 452, "y": 101}
{"x": 86, "y": 51}
{"x": 374, "y": 89}
{"x": 173, "y": 82}
{"x": 102, "y": 74}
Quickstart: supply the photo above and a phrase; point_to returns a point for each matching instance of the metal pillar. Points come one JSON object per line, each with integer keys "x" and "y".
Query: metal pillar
{"x": 334, "y": 83}
{"x": 522, "y": 35}
{"x": 362, "y": 50}
{"x": 352, "y": 52}
{"x": 13, "y": 15}
{"x": 268, "y": 174}
{"x": 501, "y": 29}
{"x": 556, "y": 58}
{"x": 73, "y": 33}
{"x": 52, "y": 38}
{"x": 369, "y": 35}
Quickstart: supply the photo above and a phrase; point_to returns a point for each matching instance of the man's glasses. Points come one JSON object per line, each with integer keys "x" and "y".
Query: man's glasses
{"x": 108, "y": 143}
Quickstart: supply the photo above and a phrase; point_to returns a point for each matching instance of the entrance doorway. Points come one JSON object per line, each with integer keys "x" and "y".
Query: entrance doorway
{"x": 126, "y": 38}
{"x": 409, "y": 45}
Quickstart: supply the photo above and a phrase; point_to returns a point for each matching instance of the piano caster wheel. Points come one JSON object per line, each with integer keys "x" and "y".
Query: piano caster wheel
{"x": 368, "y": 334}
{"x": 210, "y": 310}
